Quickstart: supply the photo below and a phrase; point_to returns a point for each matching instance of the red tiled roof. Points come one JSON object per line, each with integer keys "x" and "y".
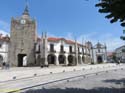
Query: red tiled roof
{"x": 70, "y": 42}
{"x": 54, "y": 39}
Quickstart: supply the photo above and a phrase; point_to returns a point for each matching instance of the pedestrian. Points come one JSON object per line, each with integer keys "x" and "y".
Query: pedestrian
{"x": 119, "y": 61}
{"x": 3, "y": 65}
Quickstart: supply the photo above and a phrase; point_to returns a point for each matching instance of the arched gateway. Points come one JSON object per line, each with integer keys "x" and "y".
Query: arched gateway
{"x": 62, "y": 59}
{"x": 51, "y": 59}
{"x": 70, "y": 59}
{"x": 22, "y": 60}
{"x": 99, "y": 59}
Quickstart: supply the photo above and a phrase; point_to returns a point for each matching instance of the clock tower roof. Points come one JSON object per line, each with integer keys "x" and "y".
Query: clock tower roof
{"x": 26, "y": 11}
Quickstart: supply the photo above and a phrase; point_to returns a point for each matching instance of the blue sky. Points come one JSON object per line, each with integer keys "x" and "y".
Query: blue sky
{"x": 65, "y": 18}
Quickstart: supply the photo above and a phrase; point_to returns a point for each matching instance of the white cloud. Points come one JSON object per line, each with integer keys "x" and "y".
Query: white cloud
{"x": 4, "y": 32}
{"x": 70, "y": 36}
{"x": 109, "y": 39}
{"x": 4, "y": 26}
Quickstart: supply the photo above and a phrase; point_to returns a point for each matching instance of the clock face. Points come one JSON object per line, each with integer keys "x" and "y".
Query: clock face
{"x": 23, "y": 21}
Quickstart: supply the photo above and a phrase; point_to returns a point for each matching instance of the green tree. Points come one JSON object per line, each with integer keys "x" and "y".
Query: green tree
{"x": 115, "y": 10}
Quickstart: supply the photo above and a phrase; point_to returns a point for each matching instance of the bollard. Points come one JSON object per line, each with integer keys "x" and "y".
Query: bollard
{"x": 96, "y": 73}
{"x": 14, "y": 77}
{"x": 74, "y": 69}
{"x": 121, "y": 68}
{"x": 67, "y": 80}
{"x": 84, "y": 76}
{"x": 51, "y": 72}
{"x": 106, "y": 71}
{"x": 35, "y": 74}
{"x": 63, "y": 70}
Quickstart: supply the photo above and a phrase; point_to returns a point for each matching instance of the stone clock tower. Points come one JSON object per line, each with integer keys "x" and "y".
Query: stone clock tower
{"x": 22, "y": 40}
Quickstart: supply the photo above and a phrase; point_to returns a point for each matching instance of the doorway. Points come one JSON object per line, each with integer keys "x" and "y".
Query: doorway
{"x": 62, "y": 59}
{"x": 21, "y": 59}
{"x": 99, "y": 59}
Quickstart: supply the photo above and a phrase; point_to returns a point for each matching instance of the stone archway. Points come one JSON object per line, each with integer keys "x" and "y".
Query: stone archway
{"x": 51, "y": 59}
{"x": 21, "y": 59}
{"x": 99, "y": 59}
{"x": 62, "y": 59}
{"x": 70, "y": 59}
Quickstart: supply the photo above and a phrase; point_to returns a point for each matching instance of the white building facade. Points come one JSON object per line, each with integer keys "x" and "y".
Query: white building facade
{"x": 60, "y": 51}
{"x": 99, "y": 53}
{"x": 4, "y": 43}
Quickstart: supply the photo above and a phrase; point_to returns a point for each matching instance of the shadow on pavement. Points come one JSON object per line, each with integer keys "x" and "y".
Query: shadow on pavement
{"x": 115, "y": 81}
{"x": 77, "y": 90}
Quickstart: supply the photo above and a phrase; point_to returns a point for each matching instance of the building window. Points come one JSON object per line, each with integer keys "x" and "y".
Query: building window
{"x": 70, "y": 49}
{"x": 61, "y": 48}
{"x": 99, "y": 50}
{"x": 52, "y": 47}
